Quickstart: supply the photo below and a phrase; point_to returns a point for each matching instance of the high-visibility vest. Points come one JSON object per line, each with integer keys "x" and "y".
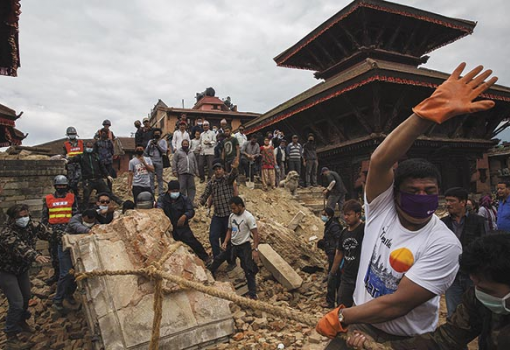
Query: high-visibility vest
{"x": 73, "y": 150}
{"x": 60, "y": 209}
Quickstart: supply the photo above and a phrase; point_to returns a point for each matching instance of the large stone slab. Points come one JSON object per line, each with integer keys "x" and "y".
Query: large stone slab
{"x": 119, "y": 308}
{"x": 280, "y": 269}
{"x": 294, "y": 223}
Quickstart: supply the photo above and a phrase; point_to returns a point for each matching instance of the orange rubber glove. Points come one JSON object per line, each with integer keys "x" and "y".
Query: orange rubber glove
{"x": 329, "y": 326}
{"x": 455, "y": 96}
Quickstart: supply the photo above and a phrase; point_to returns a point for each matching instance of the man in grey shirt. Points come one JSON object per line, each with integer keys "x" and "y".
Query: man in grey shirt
{"x": 250, "y": 152}
{"x": 140, "y": 173}
{"x": 155, "y": 150}
{"x": 185, "y": 168}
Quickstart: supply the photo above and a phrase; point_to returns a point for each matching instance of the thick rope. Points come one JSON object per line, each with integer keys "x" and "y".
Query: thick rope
{"x": 155, "y": 273}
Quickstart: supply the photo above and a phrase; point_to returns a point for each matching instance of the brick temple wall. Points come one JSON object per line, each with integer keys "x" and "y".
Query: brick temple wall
{"x": 27, "y": 181}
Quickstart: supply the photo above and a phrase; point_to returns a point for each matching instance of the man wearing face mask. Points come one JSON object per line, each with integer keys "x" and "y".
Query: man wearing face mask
{"x": 467, "y": 227}
{"x": 332, "y": 232}
{"x": 485, "y": 308}
{"x": 57, "y": 210}
{"x": 104, "y": 148}
{"x": 185, "y": 168}
{"x": 409, "y": 257}
{"x": 144, "y": 134}
{"x": 104, "y": 208}
{"x": 73, "y": 147}
{"x": 66, "y": 286}
{"x": 18, "y": 240}
{"x": 139, "y": 176}
{"x": 155, "y": 150}
{"x": 310, "y": 161}
{"x": 179, "y": 210}
{"x": 93, "y": 173}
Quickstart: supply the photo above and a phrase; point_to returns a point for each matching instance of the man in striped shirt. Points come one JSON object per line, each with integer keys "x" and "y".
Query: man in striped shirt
{"x": 295, "y": 153}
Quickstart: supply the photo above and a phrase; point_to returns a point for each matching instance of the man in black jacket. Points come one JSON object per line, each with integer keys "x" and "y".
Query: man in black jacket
{"x": 92, "y": 172}
{"x": 179, "y": 210}
{"x": 332, "y": 233}
{"x": 467, "y": 227}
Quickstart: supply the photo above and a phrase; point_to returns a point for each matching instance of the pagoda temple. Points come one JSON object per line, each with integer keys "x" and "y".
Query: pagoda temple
{"x": 368, "y": 55}
{"x": 9, "y": 135}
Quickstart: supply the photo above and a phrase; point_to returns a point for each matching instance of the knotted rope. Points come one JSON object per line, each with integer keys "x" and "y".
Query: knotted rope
{"x": 155, "y": 273}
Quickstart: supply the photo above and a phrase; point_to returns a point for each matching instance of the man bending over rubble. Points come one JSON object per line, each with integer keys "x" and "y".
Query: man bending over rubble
{"x": 409, "y": 257}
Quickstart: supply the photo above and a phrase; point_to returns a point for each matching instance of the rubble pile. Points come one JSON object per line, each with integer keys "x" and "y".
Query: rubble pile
{"x": 51, "y": 329}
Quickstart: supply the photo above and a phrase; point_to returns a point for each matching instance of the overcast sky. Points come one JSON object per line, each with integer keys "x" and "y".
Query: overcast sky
{"x": 86, "y": 61}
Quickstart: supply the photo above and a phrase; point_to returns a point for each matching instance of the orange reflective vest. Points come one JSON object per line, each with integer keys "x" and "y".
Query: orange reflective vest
{"x": 60, "y": 209}
{"x": 73, "y": 150}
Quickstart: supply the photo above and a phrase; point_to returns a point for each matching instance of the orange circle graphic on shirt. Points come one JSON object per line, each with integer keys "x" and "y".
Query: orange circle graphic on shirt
{"x": 401, "y": 259}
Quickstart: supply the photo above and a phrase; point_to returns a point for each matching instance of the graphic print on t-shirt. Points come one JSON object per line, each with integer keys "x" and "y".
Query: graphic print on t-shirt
{"x": 401, "y": 260}
{"x": 236, "y": 229}
{"x": 141, "y": 169}
{"x": 380, "y": 279}
{"x": 349, "y": 246}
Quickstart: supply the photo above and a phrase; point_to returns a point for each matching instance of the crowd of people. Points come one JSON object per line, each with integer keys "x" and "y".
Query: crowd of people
{"x": 386, "y": 270}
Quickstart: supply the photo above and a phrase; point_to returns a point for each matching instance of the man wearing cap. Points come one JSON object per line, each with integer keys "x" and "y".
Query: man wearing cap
{"x": 144, "y": 134}
{"x": 106, "y": 125}
{"x": 335, "y": 191}
{"x": 155, "y": 149}
{"x": 206, "y": 155}
{"x": 294, "y": 154}
{"x": 179, "y": 135}
{"x": 221, "y": 189}
{"x": 179, "y": 210}
{"x": 223, "y": 124}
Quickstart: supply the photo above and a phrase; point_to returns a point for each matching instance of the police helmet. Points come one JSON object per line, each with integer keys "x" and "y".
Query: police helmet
{"x": 60, "y": 180}
{"x": 71, "y": 130}
{"x": 145, "y": 200}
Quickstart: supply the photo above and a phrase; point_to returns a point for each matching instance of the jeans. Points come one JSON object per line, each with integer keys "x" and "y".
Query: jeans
{"x": 311, "y": 172}
{"x": 158, "y": 171}
{"x": 280, "y": 173}
{"x": 246, "y": 164}
{"x": 250, "y": 268}
{"x": 453, "y": 294}
{"x": 139, "y": 189}
{"x": 333, "y": 281}
{"x": 185, "y": 235}
{"x": 217, "y": 231}
{"x": 17, "y": 291}
{"x": 53, "y": 250}
{"x": 295, "y": 164}
{"x": 202, "y": 161}
{"x": 333, "y": 200}
{"x": 345, "y": 292}
{"x": 66, "y": 284}
{"x": 187, "y": 186}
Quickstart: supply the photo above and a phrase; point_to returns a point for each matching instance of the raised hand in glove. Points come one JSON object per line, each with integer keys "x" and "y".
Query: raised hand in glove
{"x": 329, "y": 325}
{"x": 455, "y": 96}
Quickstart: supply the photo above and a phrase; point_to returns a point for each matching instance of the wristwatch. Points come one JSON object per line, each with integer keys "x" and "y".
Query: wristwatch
{"x": 256, "y": 249}
{"x": 340, "y": 317}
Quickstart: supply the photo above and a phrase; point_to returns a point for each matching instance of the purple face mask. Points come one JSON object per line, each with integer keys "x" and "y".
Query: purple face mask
{"x": 418, "y": 206}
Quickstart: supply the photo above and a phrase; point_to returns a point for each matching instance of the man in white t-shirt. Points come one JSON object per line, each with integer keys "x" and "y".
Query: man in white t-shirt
{"x": 409, "y": 257}
{"x": 238, "y": 243}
